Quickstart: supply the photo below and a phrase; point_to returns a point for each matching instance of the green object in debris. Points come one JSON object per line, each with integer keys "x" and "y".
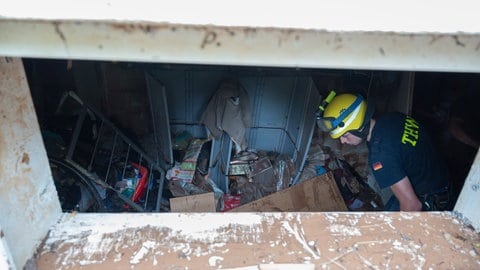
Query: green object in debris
{"x": 128, "y": 192}
{"x": 182, "y": 140}
{"x": 189, "y": 166}
{"x": 239, "y": 169}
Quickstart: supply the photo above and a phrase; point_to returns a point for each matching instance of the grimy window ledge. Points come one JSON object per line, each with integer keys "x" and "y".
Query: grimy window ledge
{"x": 328, "y": 240}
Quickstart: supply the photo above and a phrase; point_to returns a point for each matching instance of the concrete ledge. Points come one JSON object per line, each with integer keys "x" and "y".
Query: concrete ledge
{"x": 427, "y": 240}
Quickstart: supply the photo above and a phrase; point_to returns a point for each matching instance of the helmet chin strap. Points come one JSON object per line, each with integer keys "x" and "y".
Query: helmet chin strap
{"x": 363, "y": 131}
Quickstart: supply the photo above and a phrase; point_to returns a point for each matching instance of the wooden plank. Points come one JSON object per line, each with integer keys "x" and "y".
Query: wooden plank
{"x": 317, "y": 194}
{"x": 195, "y": 203}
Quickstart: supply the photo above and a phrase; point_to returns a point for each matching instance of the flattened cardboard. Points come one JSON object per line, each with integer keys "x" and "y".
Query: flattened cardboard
{"x": 194, "y": 203}
{"x": 317, "y": 194}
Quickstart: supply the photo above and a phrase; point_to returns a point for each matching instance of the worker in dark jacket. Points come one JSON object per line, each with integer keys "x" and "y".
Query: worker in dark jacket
{"x": 401, "y": 153}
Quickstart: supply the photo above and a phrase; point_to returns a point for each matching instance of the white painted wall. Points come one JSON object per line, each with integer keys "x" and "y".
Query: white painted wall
{"x": 6, "y": 260}
{"x": 28, "y": 198}
{"x": 469, "y": 200}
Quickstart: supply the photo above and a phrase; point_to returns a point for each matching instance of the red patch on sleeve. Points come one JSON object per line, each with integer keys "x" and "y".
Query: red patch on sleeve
{"x": 377, "y": 166}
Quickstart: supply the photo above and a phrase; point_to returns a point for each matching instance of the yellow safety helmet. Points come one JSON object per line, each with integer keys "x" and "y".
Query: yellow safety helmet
{"x": 345, "y": 113}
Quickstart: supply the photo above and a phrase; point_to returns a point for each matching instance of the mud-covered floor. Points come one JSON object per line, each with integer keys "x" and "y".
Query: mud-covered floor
{"x": 428, "y": 240}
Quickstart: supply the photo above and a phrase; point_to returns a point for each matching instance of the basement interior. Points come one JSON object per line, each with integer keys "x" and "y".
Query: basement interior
{"x": 139, "y": 137}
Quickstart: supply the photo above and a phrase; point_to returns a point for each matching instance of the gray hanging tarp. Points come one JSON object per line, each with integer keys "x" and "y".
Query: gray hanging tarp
{"x": 229, "y": 110}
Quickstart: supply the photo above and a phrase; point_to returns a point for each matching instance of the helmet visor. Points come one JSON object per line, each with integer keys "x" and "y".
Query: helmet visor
{"x": 326, "y": 124}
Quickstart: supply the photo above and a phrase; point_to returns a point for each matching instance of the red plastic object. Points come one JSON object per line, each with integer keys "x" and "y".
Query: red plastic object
{"x": 142, "y": 183}
{"x": 230, "y": 202}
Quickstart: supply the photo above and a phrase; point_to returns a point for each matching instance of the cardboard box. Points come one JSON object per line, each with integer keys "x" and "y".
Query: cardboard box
{"x": 319, "y": 194}
{"x": 194, "y": 203}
